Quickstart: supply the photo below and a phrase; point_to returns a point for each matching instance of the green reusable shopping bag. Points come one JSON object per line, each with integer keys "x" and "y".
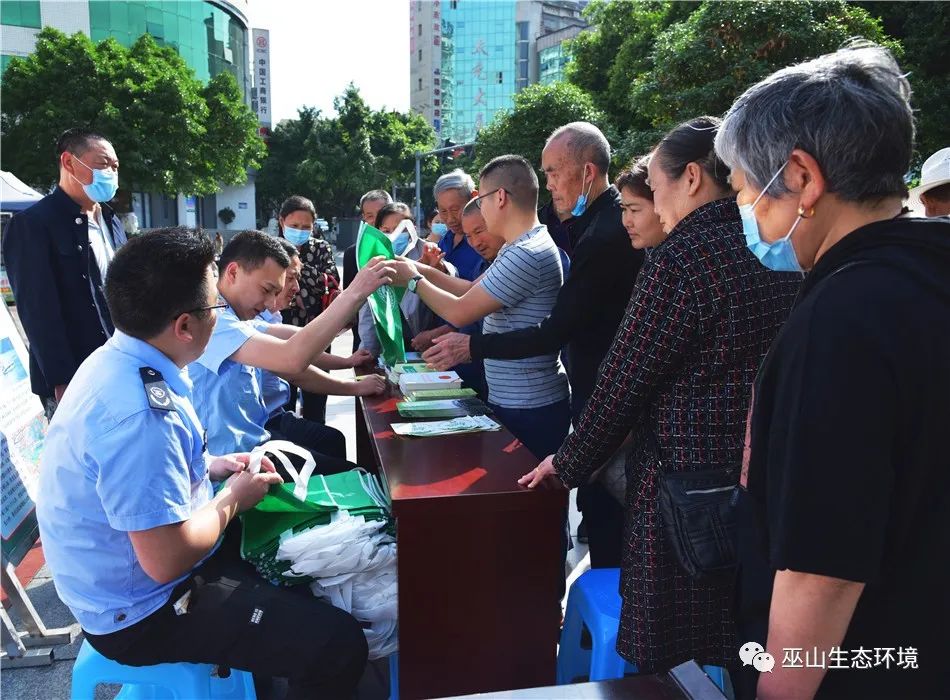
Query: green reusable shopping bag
{"x": 384, "y": 302}
{"x": 307, "y": 502}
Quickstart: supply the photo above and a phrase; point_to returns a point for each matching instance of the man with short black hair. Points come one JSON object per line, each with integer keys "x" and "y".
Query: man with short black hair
{"x": 279, "y": 397}
{"x": 518, "y": 290}
{"x": 142, "y": 549}
{"x": 228, "y": 393}
{"x": 56, "y": 254}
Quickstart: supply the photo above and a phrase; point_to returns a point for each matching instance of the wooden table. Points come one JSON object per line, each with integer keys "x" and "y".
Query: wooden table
{"x": 480, "y": 561}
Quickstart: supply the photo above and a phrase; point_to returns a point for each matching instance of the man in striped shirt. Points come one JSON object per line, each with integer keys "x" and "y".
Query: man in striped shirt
{"x": 530, "y": 395}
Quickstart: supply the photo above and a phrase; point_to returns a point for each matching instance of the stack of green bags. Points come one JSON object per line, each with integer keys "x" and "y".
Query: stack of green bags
{"x": 281, "y": 515}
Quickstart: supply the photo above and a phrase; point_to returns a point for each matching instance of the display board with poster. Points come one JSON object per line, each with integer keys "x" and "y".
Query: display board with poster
{"x": 22, "y": 431}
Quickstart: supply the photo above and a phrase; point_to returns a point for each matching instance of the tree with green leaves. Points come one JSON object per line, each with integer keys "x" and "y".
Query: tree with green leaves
{"x": 650, "y": 65}
{"x": 538, "y": 110}
{"x": 334, "y": 160}
{"x": 923, "y": 29}
{"x": 172, "y": 133}
{"x": 617, "y": 48}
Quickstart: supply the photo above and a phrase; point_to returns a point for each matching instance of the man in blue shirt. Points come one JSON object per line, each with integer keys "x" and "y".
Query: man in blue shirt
{"x": 134, "y": 533}
{"x": 228, "y": 394}
{"x": 282, "y": 420}
{"x": 452, "y": 191}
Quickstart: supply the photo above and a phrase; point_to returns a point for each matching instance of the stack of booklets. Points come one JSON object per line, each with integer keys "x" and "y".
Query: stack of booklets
{"x": 451, "y": 408}
{"x": 441, "y": 394}
{"x": 424, "y": 381}
{"x": 456, "y": 426}
{"x": 400, "y": 368}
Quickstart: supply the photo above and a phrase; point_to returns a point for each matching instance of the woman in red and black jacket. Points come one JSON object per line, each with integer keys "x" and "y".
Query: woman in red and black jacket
{"x": 678, "y": 378}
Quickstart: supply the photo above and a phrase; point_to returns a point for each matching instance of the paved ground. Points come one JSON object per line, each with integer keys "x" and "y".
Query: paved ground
{"x": 53, "y": 682}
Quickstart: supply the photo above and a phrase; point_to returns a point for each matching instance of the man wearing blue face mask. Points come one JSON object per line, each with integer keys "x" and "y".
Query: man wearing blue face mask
{"x": 57, "y": 253}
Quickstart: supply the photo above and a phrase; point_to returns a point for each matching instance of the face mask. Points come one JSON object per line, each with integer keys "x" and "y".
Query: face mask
{"x": 104, "y": 185}
{"x": 440, "y": 229}
{"x": 403, "y": 238}
{"x": 780, "y": 255}
{"x": 296, "y": 236}
{"x": 580, "y": 206}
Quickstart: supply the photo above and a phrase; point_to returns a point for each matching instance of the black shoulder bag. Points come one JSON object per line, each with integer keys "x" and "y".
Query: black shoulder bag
{"x": 698, "y": 519}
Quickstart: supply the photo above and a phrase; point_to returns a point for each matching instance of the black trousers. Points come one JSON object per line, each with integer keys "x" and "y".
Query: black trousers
{"x": 314, "y": 405}
{"x": 315, "y": 437}
{"x": 603, "y": 518}
{"x": 237, "y": 620}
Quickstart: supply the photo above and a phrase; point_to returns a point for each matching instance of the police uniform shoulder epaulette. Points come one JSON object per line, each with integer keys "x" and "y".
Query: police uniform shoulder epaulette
{"x": 156, "y": 390}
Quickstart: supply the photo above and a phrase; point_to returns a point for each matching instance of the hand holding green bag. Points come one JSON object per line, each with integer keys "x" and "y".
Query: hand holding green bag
{"x": 384, "y": 302}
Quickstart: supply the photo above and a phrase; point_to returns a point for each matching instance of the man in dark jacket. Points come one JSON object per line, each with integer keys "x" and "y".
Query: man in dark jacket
{"x": 57, "y": 253}
{"x": 589, "y": 306}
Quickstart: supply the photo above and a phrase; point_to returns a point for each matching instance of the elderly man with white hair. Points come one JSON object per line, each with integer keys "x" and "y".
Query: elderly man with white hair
{"x": 452, "y": 192}
{"x": 845, "y": 486}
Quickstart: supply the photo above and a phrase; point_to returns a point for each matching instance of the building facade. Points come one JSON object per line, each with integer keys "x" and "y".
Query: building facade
{"x": 212, "y": 36}
{"x": 470, "y": 57}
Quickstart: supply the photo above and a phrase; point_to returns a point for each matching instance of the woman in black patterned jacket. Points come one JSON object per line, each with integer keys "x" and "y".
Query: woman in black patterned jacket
{"x": 678, "y": 376}
{"x": 317, "y": 275}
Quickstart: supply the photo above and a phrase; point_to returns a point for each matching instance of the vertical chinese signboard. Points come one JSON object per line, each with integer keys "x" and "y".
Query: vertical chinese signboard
{"x": 261, "y": 95}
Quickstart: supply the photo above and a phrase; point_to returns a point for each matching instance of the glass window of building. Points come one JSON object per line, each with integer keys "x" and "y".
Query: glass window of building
{"x": 479, "y": 40}
{"x": 207, "y": 37}
{"x": 20, "y": 13}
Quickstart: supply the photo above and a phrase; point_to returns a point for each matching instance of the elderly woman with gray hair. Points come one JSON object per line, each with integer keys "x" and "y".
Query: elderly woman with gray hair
{"x": 845, "y": 486}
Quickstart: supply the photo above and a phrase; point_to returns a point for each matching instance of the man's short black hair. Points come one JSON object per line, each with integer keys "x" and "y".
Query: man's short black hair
{"x": 514, "y": 175}
{"x": 251, "y": 249}
{"x": 77, "y": 141}
{"x": 156, "y": 277}
{"x": 289, "y": 248}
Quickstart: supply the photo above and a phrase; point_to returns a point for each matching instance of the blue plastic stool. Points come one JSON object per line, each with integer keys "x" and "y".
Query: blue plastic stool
{"x": 179, "y": 681}
{"x": 394, "y": 676}
{"x": 594, "y": 602}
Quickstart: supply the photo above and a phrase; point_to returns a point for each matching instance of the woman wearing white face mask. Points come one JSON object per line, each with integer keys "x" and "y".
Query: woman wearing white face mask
{"x": 319, "y": 280}
{"x": 677, "y": 378}
{"x": 845, "y": 481}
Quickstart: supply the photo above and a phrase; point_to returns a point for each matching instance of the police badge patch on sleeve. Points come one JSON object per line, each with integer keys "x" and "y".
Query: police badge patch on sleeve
{"x": 159, "y": 397}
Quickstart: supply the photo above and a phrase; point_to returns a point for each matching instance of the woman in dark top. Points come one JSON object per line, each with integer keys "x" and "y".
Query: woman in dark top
{"x": 317, "y": 276}
{"x": 845, "y": 487}
{"x": 701, "y": 317}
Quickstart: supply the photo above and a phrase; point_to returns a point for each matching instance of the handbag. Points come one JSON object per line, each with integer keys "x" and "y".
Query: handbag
{"x": 331, "y": 290}
{"x": 697, "y": 510}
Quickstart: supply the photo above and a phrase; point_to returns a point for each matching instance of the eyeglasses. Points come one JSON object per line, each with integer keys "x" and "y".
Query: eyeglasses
{"x": 479, "y": 198}
{"x": 213, "y": 307}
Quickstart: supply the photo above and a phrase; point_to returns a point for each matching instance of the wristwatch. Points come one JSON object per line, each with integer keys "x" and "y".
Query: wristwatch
{"x": 411, "y": 286}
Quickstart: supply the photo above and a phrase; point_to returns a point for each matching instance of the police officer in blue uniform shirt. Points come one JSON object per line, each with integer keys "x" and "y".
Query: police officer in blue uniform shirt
{"x": 134, "y": 531}
{"x": 281, "y": 419}
{"x": 229, "y": 395}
